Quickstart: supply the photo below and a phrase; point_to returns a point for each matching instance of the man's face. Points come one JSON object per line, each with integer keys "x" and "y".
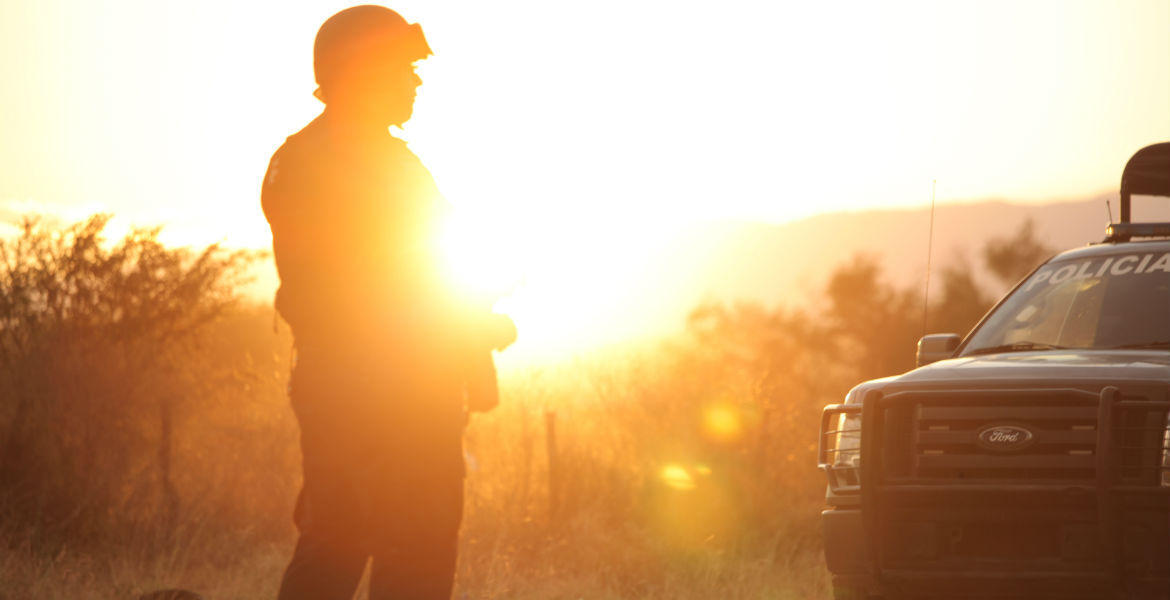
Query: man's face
{"x": 393, "y": 88}
{"x": 383, "y": 88}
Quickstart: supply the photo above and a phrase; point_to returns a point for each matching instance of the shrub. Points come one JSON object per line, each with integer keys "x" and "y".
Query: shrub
{"x": 99, "y": 354}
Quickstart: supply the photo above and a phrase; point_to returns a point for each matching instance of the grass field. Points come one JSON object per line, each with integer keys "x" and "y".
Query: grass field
{"x": 675, "y": 481}
{"x": 592, "y": 571}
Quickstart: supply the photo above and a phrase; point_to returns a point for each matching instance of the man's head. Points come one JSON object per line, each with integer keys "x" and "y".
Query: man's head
{"x": 363, "y": 60}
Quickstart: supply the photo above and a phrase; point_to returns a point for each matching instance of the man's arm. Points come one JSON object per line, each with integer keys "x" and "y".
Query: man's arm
{"x": 289, "y": 199}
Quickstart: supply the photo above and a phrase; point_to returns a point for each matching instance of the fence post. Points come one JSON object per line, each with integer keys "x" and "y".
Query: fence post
{"x": 554, "y": 475}
{"x": 165, "y": 443}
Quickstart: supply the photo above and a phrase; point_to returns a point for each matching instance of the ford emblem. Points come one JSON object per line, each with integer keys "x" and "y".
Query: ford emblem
{"x": 1004, "y": 438}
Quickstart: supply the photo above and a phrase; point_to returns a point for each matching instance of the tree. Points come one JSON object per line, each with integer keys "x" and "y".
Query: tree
{"x": 963, "y": 301}
{"x": 875, "y": 324}
{"x": 97, "y": 343}
{"x": 1010, "y": 258}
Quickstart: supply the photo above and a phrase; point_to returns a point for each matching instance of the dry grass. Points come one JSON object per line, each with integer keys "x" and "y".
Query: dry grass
{"x": 737, "y": 528}
{"x": 628, "y": 573}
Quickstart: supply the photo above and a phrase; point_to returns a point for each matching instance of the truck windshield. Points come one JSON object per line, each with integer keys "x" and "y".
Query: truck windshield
{"x": 1117, "y": 300}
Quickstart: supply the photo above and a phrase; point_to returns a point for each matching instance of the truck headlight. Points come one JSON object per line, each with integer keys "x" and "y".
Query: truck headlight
{"x": 840, "y": 445}
{"x": 849, "y": 442}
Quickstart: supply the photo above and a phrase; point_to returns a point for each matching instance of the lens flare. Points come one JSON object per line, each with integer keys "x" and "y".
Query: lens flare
{"x": 722, "y": 422}
{"x": 677, "y": 477}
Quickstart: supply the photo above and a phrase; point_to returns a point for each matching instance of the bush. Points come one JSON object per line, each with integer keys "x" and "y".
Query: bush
{"x": 99, "y": 347}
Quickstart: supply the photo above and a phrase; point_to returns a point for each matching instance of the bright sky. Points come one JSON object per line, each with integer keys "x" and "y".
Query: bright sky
{"x": 586, "y": 132}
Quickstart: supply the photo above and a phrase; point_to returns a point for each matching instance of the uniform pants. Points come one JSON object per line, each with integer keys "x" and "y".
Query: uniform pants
{"x": 383, "y": 482}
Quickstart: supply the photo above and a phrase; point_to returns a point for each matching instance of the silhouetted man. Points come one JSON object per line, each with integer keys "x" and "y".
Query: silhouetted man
{"x": 384, "y": 354}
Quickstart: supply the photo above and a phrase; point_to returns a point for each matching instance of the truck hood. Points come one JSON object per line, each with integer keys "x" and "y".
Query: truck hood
{"x": 1047, "y": 368}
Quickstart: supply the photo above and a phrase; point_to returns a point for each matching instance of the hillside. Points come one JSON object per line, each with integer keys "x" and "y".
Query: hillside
{"x": 771, "y": 263}
{"x": 788, "y": 263}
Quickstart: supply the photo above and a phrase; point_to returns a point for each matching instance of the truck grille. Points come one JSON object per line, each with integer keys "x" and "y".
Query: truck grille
{"x": 1142, "y": 445}
{"x": 1024, "y": 436}
{"x": 947, "y": 442}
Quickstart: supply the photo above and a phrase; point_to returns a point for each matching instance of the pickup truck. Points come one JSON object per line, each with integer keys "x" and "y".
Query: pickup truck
{"x": 1030, "y": 458}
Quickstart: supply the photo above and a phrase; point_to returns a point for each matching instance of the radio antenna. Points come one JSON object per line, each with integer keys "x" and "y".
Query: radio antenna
{"x": 1109, "y": 209}
{"x": 929, "y": 247}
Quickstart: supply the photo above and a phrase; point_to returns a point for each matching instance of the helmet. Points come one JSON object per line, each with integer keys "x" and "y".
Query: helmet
{"x": 354, "y": 33}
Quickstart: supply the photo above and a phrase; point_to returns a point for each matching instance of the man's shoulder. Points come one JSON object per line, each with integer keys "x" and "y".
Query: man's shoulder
{"x": 304, "y": 143}
{"x": 300, "y": 151}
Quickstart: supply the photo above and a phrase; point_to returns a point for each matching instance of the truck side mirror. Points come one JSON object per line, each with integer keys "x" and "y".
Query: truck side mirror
{"x": 936, "y": 347}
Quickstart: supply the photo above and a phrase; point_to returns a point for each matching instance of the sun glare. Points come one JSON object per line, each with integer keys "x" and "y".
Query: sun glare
{"x": 480, "y": 258}
{"x": 677, "y": 477}
{"x": 568, "y": 283}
